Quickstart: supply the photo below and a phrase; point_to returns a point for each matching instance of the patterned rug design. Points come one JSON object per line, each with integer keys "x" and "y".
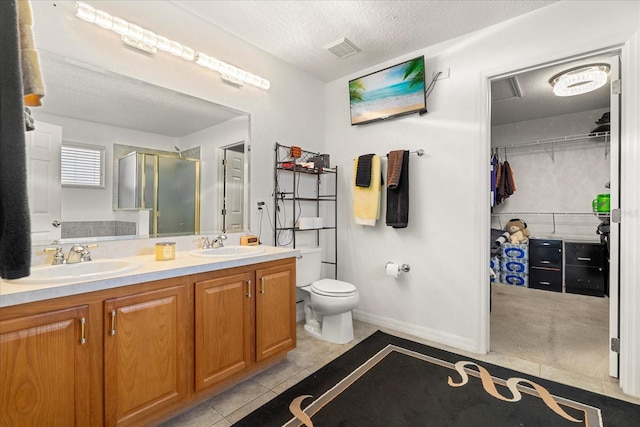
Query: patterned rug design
{"x": 390, "y": 381}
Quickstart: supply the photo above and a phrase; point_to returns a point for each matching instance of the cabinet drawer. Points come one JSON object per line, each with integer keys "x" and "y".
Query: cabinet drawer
{"x": 545, "y": 243}
{"x": 548, "y": 257}
{"x": 585, "y": 280}
{"x": 586, "y": 254}
{"x": 547, "y": 279}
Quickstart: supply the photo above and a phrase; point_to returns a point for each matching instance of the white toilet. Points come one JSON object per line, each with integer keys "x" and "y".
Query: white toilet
{"x": 328, "y": 303}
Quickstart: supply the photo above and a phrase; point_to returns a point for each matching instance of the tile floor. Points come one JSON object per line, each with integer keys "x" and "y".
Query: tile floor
{"x": 311, "y": 354}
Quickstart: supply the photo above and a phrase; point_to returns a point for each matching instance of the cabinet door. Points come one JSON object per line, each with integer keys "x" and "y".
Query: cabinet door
{"x": 145, "y": 360}
{"x": 275, "y": 310}
{"x": 222, "y": 327}
{"x": 44, "y": 369}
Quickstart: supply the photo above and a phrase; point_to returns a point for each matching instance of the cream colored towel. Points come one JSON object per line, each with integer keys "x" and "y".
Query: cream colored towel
{"x": 31, "y": 74}
{"x": 366, "y": 200}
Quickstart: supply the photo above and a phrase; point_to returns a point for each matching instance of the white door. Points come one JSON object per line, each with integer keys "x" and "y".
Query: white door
{"x": 43, "y": 179}
{"x": 234, "y": 190}
{"x": 614, "y": 236}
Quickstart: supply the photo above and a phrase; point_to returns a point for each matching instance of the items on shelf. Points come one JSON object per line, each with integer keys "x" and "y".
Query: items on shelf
{"x": 309, "y": 209}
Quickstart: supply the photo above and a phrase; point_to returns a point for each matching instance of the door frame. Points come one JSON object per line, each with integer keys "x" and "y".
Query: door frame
{"x": 629, "y": 313}
{"x": 222, "y": 191}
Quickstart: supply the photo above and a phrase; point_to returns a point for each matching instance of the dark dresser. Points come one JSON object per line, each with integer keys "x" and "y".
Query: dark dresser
{"x": 586, "y": 268}
{"x": 545, "y": 264}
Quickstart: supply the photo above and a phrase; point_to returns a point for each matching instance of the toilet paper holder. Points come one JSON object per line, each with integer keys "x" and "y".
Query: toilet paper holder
{"x": 404, "y": 267}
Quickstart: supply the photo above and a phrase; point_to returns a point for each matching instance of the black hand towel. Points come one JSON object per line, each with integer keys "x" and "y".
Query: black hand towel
{"x": 363, "y": 173}
{"x": 15, "y": 226}
{"x": 398, "y": 198}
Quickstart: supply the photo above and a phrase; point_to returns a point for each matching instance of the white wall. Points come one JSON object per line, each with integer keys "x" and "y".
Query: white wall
{"x": 291, "y": 112}
{"x": 562, "y": 178}
{"x": 444, "y": 297}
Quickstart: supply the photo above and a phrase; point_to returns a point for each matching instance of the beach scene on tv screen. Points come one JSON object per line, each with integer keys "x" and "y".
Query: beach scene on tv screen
{"x": 390, "y": 92}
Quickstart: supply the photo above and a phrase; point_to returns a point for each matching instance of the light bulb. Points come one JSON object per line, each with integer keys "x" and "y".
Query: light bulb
{"x": 202, "y": 59}
{"x": 176, "y": 48}
{"x": 120, "y": 26}
{"x": 135, "y": 32}
{"x": 163, "y": 43}
{"x": 104, "y": 19}
{"x": 187, "y": 53}
{"x": 86, "y": 12}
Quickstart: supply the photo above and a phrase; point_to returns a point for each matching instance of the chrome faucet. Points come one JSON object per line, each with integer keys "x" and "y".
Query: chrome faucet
{"x": 217, "y": 240}
{"x": 58, "y": 256}
{"x": 79, "y": 253}
{"x": 206, "y": 244}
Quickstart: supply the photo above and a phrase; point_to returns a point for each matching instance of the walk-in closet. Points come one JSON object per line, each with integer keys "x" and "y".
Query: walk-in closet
{"x": 554, "y": 162}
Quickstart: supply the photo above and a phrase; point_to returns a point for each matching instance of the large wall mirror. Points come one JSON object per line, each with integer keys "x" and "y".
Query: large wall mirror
{"x": 95, "y": 108}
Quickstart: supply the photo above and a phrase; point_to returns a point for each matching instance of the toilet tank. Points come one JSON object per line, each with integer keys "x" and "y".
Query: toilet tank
{"x": 308, "y": 266}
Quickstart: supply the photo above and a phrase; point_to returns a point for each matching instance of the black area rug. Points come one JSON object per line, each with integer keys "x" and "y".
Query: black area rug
{"x": 389, "y": 381}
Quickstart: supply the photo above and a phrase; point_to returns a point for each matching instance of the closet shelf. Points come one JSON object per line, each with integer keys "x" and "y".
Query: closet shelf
{"x": 555, "y": 222}
{"x": 589, "y": 137}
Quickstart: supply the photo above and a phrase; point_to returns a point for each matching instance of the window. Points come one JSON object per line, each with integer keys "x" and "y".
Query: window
{"x": 82, "y": 166}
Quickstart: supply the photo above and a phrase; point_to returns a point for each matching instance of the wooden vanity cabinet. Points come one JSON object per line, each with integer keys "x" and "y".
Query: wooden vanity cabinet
{"x": 244, "y": 318}
{"x": 134, "y": 355}
{"x": 222, "y": 326}
{"x": 145, "y": 348}
{"x": 275, "y": 310}
{"x": 44, "y": 369}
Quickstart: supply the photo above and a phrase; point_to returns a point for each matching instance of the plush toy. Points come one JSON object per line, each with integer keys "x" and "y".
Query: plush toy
{"x": 517, "y": 229}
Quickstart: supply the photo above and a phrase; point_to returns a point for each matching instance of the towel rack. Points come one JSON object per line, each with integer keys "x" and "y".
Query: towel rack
{"x": 419, "y": 152}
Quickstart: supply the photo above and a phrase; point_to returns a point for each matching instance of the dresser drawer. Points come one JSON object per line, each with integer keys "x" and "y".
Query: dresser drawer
{"x": 549, "y": 257}
{"x": 585, "y": 280}
{"x": 545, "y": 243}
{"x": 547, "y": 279}
{"x": 585, "y": 254}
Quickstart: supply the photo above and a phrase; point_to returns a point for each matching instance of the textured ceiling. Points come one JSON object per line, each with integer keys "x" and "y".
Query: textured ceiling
{"x": 536, "y": 98}
{"x": 296, "y": 31}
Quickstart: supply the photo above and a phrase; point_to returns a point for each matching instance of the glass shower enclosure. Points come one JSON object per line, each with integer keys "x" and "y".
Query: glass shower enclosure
{"x": 167, "y": 186}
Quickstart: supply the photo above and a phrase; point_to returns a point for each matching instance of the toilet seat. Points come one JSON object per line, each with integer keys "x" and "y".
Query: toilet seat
{"x": 333, "y": 288}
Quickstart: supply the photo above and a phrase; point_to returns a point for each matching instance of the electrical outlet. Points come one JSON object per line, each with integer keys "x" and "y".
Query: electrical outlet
{"x": 445, "y": 73}
{"x": 260, "y": 205}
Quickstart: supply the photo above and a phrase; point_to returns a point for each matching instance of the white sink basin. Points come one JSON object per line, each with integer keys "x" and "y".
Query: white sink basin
{"x": 89, "y": 270}
{"x": 228, "y": 252}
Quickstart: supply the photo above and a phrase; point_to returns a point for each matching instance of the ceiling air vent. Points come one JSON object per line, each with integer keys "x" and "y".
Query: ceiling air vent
{"x": 342, "y": 48}
{"x": 505, "y": 89}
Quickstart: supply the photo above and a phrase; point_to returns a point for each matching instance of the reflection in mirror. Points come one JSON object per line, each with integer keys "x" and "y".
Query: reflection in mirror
{"x": 164, "y": 184}
{"x": 92, "y": 106}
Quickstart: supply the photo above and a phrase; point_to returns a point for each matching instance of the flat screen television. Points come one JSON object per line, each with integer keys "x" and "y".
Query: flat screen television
{"x": 388, "y": 93}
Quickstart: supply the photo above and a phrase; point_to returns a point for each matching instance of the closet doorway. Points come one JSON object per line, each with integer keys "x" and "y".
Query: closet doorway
{"x": 557, "y": 305}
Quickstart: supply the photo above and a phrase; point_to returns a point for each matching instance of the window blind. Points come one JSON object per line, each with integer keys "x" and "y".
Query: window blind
{"x": 82, "y": 166}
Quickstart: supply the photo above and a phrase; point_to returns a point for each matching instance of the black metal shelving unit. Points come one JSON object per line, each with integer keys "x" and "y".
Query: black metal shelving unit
{"x": 287, "y": 169}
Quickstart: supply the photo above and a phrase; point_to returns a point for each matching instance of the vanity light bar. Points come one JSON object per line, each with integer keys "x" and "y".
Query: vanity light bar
{"x": 148, "y": 41}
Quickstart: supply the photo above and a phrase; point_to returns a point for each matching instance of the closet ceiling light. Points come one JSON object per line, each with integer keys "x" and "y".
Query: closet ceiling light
{"x": 150, "y": 42}
{"x": 577, "y": 81}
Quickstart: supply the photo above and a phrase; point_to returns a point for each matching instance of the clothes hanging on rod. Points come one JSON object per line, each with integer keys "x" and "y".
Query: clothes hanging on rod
{"x": 505, "y": 184}
{"x": 494, "y": 173}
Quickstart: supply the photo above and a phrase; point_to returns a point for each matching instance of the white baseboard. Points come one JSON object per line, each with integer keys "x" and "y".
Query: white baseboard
{"x": 419, "y": 331}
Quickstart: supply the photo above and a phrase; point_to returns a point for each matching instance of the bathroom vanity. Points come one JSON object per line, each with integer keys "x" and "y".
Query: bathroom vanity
{"x": 140, "y": 348}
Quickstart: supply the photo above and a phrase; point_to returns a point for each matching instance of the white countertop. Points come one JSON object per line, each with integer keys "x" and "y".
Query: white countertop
{"x": 184, "y": 264}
